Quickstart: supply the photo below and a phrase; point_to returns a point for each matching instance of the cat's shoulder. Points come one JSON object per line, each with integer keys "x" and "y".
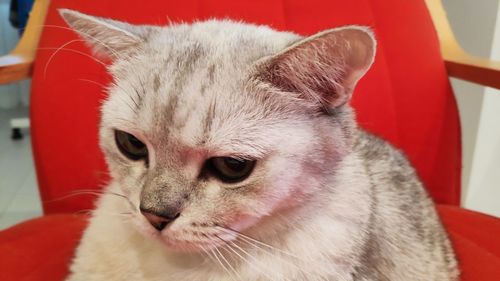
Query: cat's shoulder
{"x": 373, "y": 149}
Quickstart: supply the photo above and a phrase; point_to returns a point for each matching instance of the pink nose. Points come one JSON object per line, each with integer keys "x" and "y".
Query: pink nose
{"x": 160, "y": 220}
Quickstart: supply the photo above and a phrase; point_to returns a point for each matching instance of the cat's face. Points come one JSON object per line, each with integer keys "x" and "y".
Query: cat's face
{"x": 213, "y": 127}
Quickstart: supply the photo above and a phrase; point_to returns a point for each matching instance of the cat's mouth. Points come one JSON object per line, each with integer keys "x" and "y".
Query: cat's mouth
{"x": 185, "y": 235}
{"x": 195, "y": 240}
{"x": 191, "y": 238}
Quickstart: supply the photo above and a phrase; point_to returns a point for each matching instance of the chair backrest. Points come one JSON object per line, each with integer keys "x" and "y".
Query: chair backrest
{"x": 405, "y": 98}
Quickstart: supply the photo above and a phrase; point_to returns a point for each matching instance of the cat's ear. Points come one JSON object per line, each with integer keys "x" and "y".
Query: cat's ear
{"x": 108, "y": 38}
{"x": 324, "y": 68}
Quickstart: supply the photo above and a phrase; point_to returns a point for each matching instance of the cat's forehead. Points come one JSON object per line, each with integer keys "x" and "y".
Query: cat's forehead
{"x": 223, "y": 46}
{"x": 188, "y": 82}
{"x": 222, "y": 40}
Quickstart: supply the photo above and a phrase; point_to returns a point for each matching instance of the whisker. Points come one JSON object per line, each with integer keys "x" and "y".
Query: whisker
{"x": 136, "y": 91}
{"x": 55, "y": 52}
{"x": 84, "y": 212}
{"x": 91, "y": 192}
{"x": 256, "y": 243}
{"x": 72, "y": 41}
{"x": 231, "y": 243}
{"x": 130, "y": 95}
{"x": 206, "y": 255}
{"x": 72, "y": 194}
{"x": 77, "y": 52}
{"x": 229, "y": 264}
{"x": 134, "y": 109}
{"x": 246, "y": 237}
{"x": 92, "y": 81}
{"x": 289, "y": 263}
{"x": 88, "y": 212}
{"x": 125, "y": 121}
{"x": 86, "y": 34}
{"x": 220, "y": 263}
{"x": 87, "y": 189}
{"x": 122, "y": 196}
{"x": 126, "y": 214}
{"x": 210, "y": 255}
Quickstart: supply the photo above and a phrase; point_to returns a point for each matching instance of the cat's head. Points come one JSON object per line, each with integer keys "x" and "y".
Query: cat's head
{"x": 213, "y": 127}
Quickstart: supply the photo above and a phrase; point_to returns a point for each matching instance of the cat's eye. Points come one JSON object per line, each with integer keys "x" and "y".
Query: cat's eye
{"x": 231, "y": 170}
{"x": 130, "y": 146}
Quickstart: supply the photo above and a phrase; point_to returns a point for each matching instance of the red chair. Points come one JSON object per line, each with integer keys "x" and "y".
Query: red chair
{"x": 406, "y": 98}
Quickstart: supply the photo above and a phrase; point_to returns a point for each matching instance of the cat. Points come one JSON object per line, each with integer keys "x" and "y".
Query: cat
{"x": 235, "y": 155}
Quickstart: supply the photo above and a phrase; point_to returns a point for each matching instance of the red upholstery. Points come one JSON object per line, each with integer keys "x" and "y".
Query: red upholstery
{"x": 475, "y": 240}
{"x": 41, "y": 249}
{"x": 406, "y": 98}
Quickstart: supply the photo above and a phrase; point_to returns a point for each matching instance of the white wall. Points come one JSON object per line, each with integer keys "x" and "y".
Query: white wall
{"x": 484, "y": 184}
{"x": 477, "y": 26}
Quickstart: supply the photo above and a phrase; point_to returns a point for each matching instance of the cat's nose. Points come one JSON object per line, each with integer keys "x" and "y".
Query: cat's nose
{"x": 159, "y": 219}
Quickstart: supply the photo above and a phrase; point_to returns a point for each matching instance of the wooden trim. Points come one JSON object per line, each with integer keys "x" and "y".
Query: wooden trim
{"x": 29, "y": 41}
{"x": 27, "y": 46}
{"x": 458, "y": 62}
{"x": 15, "y": 72}
{"x": 483, "y": 75}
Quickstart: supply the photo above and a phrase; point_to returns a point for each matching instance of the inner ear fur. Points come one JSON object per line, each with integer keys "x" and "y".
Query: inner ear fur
{"x": 323, "y": 68}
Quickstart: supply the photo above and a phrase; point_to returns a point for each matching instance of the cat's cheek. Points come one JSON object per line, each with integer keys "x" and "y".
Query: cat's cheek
{"x": 243, "y": 222}
{"x": 281, "y": 193}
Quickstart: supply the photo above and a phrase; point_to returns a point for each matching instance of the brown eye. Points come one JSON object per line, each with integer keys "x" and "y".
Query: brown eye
{"x": 130, "y": 146}
{"x": 231, "y": 170}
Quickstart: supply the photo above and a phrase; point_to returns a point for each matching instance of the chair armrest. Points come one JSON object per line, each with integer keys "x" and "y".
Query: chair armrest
{"x": 458, "y": 62}
{"x": 14, "y": 68}
{"x": 18, "y": 64}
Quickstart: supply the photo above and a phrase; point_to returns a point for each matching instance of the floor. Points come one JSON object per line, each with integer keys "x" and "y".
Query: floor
{"x": 19, "y": 198}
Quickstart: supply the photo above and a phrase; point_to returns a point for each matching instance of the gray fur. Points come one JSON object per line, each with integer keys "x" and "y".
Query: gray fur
{"x": 338, "y": 203}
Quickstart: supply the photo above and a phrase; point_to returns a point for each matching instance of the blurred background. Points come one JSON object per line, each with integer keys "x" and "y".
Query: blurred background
{"x": 475, "y": 23}
{"x": 19, "y": 199}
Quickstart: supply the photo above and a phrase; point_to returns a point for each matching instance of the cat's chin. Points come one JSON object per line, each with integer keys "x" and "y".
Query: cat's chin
{"x": 186, "y": 241}
{"x": 189, "y": 246}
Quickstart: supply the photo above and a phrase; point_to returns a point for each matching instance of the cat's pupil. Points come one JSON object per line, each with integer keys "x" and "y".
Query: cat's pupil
{"x": 130, "y": 146}
{"x": 135, "y": 142}
{"x": 234, "y": 164}
{"x": 230, "y": 170}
